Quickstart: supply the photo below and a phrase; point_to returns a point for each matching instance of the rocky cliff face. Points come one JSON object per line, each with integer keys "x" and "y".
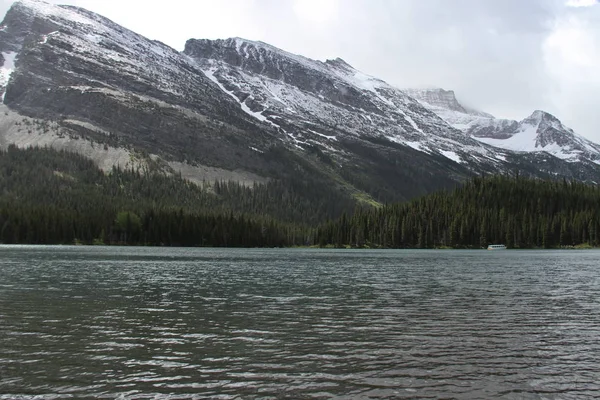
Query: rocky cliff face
{"x": 443, "y": 100}
{"x": 316, "y": 102}
{"x": 106, "y": 83}
{"x": 237, "y": 109}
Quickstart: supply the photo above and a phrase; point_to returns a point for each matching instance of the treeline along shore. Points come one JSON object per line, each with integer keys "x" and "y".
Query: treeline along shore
{"x": 51, "y": 197}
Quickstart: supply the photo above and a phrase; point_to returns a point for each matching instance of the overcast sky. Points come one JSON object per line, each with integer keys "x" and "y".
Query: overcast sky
{"x": 505, "y": 57}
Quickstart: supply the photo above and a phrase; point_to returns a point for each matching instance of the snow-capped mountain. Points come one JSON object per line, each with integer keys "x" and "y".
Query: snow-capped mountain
{"x": 236, "y": 109}
{"x": 541, "y": 132}
{"x": 90, "y": 78}
{"x": 317, "y": 102}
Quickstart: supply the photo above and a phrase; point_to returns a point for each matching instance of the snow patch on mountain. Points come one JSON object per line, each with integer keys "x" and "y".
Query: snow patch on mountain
{"x": 210, "y": 73}
{"x": 45, "y": 37}
{"x": 451, "y": 155}
{"x": 526, "y": 140}
{"x": 358, "y": 79}
{"x": 6, "y": 71}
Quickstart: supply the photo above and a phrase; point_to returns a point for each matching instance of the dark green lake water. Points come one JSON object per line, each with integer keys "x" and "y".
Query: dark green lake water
{"x": 154, "y": 323}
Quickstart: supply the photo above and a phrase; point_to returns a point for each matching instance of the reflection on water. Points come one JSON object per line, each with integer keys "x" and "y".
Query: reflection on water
{"x": 140, "y": 323}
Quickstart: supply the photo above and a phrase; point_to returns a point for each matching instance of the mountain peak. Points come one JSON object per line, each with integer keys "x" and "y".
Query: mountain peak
{"x": 19, "y": 20}
{"x": 46, "y": 18}
{"x": 436, "y": 97}
{"x": 244, "y": 47}
{"x": 257, "y": 57}
{"x": 339, "y": 63}
{"x": 542, "y": 115}
{"x": 440, "y": 93}
{"x": 239, "y": 42}
{"x": 544, "y": 119}
{"x": 443, "y": 99}
{"x": 39, "y": 7}
{"x": 33, "y": 4}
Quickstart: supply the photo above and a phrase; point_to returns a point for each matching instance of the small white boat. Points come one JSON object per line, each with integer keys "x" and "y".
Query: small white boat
{"x": 496, "y": 247}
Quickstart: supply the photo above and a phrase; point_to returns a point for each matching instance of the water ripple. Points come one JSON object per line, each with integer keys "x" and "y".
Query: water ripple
{"x": 203, "y": 323}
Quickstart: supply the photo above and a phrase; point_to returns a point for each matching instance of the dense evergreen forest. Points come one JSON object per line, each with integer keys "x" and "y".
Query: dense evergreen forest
{"x": 515, "y": 211}
{"x": 51, "y": 197}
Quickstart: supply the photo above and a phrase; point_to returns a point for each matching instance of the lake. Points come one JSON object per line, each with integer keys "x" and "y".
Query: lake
{"x": 164, "y": 323}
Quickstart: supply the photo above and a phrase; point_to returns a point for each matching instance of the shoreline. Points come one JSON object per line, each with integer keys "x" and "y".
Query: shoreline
{"x": 83, "y": 245}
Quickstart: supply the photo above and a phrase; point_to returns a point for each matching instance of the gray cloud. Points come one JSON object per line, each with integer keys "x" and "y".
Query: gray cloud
{"x": 507, "y": 57}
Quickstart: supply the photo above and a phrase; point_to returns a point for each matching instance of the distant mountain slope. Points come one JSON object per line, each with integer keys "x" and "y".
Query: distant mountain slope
{"x": 233, "y": 109}
{"x": 441, "y": 100}
{"x": 540, "y": 132}
{"x": 319, "y": 102}
{"x": 78, "y": 78}
{"x": 108, "y": 83}
{"x": 323, "y": 103}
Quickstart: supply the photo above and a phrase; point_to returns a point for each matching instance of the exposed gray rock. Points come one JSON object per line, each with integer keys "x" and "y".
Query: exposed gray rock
{"x": 317, "y": 102}
{"x": 243, "y": 110}
{"x": 73, "y": 64}
{"x": 445, "y": 99}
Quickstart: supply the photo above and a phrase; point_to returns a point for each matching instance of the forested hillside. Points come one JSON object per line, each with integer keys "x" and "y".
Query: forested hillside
{"x": 50, "y": 197}
{"x": 518, "y": 212}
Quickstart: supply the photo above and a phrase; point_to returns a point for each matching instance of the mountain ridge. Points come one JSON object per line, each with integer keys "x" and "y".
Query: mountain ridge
{"x": 539, "y": 132}
{"x": 334, "y": 82}
{"x": 438, "y": 97}
{"x": 243, "y": 108}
